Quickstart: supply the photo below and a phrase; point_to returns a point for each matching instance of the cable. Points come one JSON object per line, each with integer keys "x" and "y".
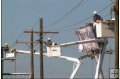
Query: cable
{"x": 105, "y": 7}
{"x": 34, "y": 24}
{"x": 63, "y": 29}
{"x": 17, "y": 39}
{"x": 112, "y": 1}
{"x": 67, "y": 13}
{"x": 76, "y": 28}
{"x": 79, "y": 22}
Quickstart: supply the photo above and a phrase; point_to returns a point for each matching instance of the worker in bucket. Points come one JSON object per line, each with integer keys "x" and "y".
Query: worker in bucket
{"x": 97, "y": 18}
{"x": 48, "y": 42}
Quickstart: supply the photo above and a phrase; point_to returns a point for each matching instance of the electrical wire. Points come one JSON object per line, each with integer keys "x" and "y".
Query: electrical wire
{"x": 66, "y": 13}
{"x": 79, "y": 22}
{"x": 34, "y": 24}
{"x": 32, "y": 27}
{"x": 112, "y": 1}
{"x": 17, "y": 39}
{"x": 105, "y": 7}
{"x": 63, "y": 29}
{"x": 76, "y": 28}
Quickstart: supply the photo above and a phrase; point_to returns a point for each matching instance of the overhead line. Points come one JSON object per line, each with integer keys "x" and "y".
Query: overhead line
{"x": 85, "y": 18}
{"x": 23, "y": 33}
{"x": 67, "y": 13}
{"x": 17, "y": 39}
{"x": 76, "y": 28}
{"x": 105, "y": 7}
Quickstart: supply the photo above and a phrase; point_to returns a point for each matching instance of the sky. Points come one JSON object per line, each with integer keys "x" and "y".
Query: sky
{"x": 63, "y": 16}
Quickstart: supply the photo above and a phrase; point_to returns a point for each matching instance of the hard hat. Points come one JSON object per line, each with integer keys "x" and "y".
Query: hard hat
{"x": 48, "y": 38}
{"x": 6, "y": 44}
{"x": 95, "y": 12}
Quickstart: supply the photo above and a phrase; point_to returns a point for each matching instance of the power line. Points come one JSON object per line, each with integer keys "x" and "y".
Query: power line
{"x": 105, "y": 7}
{"x": 67, "y": 13}
{"x": 22, "y": 34}
{"x": 103, "y": 17}
{"x": 65, "y": 28}
{"x": 35, "y": 23}
{"x": 76, "y": 28}
{"x": 112, "y": 1}
{"x": 79, "y": 22}
{"x": 17, "y": 39}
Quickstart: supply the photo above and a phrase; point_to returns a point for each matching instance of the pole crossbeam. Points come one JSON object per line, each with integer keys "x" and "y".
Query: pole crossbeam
{"x": 28, "y": 42}
{"x": 40, "y": 32}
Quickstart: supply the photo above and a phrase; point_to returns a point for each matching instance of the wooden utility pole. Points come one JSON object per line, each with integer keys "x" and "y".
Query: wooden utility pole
{"x": 116, "y": 12}
{"x": 41, "y": 49}
{"x": 32, "y": 57}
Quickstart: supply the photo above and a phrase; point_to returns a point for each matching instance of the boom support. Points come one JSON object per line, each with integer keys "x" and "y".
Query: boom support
{"x": 76, "y": 61}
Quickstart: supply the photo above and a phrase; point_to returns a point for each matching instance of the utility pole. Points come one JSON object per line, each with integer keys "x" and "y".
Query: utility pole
{"x": 32, "y": 56}
{"x": 41, "y": 49}
{"x": 116, "y": 12}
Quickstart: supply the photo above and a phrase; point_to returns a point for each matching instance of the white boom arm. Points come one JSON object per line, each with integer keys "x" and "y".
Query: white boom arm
{"x": 76, "y": 61}
{"x": 76, "y": 65}
{"x": 81, "y": 42}
{"x": 98, "y": 72}
{"x": 25, "y": 52}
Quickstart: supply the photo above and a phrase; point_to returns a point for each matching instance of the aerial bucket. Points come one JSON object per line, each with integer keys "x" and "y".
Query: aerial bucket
{"x": 53, "y": 51}
{"x": 104, "y": 30}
